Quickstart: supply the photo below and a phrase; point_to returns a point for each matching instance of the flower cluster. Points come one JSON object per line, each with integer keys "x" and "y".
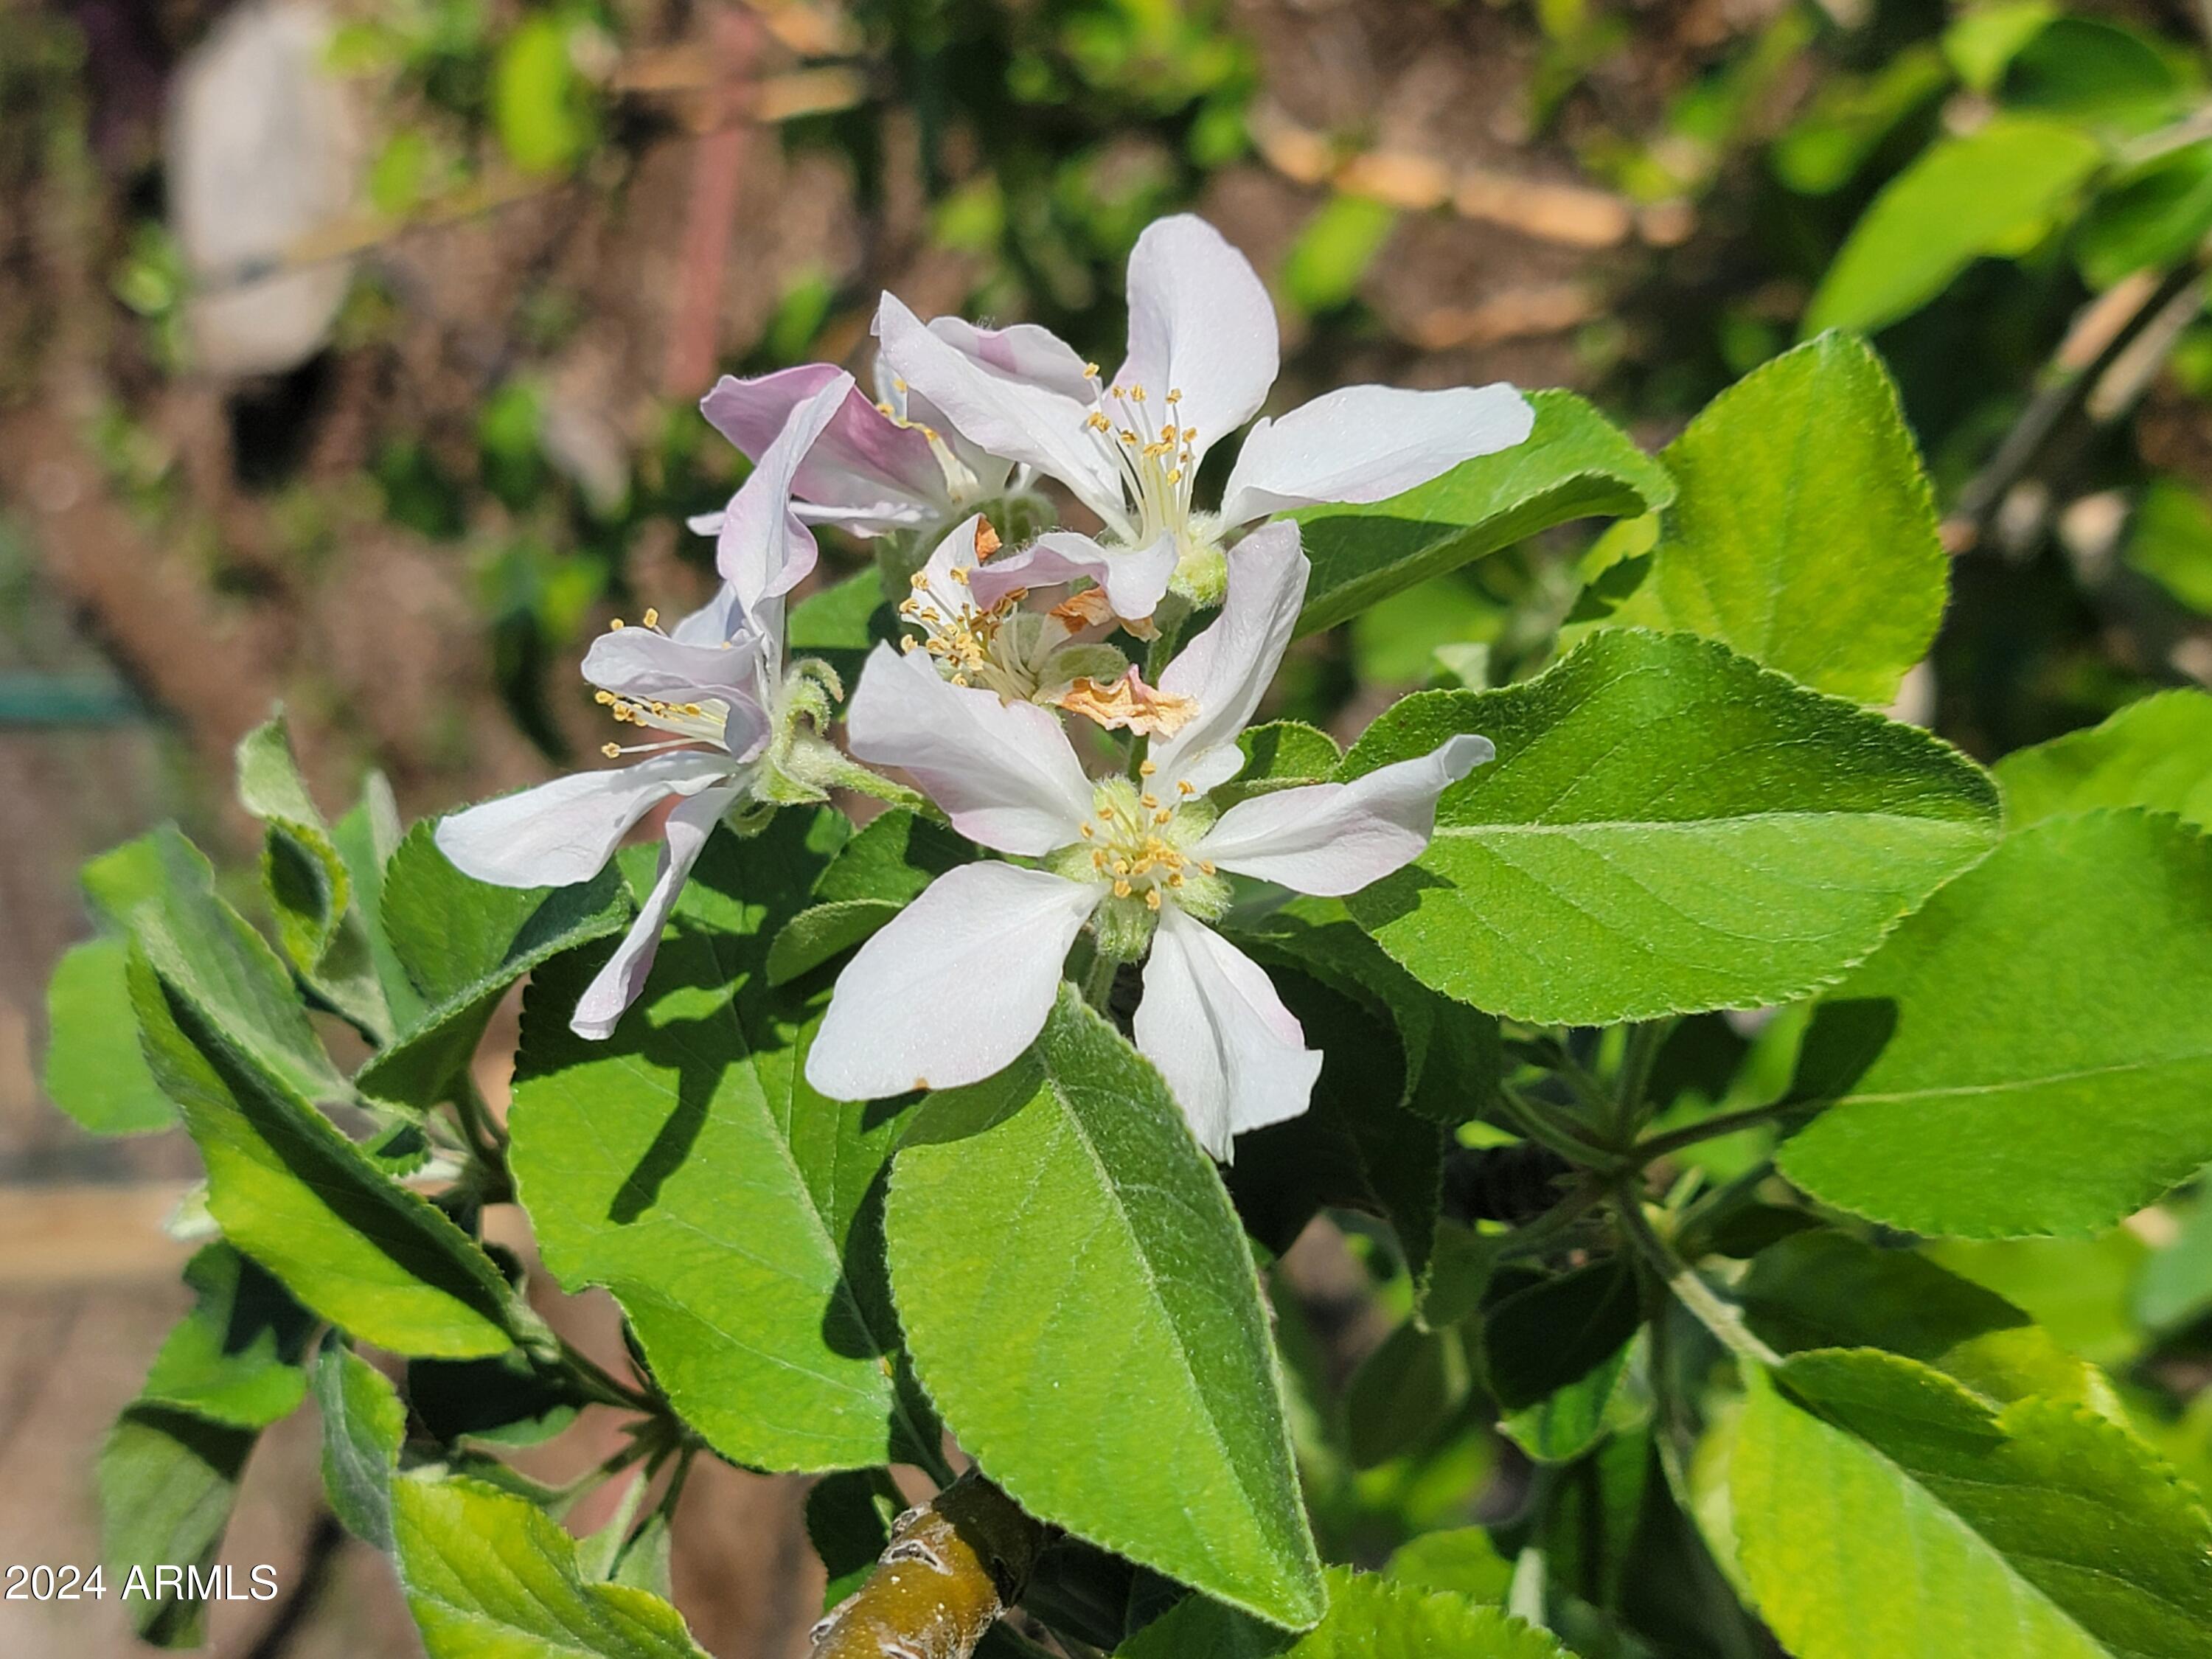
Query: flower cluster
{"x": 970, "y": 704}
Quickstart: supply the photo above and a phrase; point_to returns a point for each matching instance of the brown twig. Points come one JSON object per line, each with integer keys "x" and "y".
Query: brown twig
{"x": 713, "y": 211}
{"x": 950, "y": 1573}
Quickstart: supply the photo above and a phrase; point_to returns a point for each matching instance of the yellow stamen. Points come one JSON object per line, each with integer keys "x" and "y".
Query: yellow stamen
{"x": 651, "y": 617}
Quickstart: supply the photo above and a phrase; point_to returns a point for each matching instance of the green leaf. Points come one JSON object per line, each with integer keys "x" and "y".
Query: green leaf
{"x": 1403, "y": 1393}
{"x": 160, "y": 890}
{"x": 873, "y": 878}
{"x": 489, "y": 1574}
{"x": 2171, "y": 541}
{"x": 1460, "y": 1559}
{"x": 2149, "y": 219}
{"x": 504, "y": 1399}
{"x": 541, "y": 107}
{"x": 848, "y": 1521}
{"x": 685, "y": 1165}
{"x": 292, "y": 1192}
{"x": 841, "y": 624}
{"x": 1078, "y": 1297}
{"x": 236, "y": 1358}
{"x": 1667, "y": 828}
{"x": 96, "y": 1071}
{"x": 1369, "y": 1617}
{"x": 824, "y": 933}
{"x": 308, "y": 883}
{"x": 1567, "y": 1423}
{"x": 1574, "y": 465}
{"x": 366, "y": 838}
{"x": 2155, "y": 754}
{"x": 1557, "y": 1331}
{"x": 1828, "y": 1290}
{"x": 2032, "y": 1052}
{"x": 1879, "y": 1507}
{"x": 2097, "y": 74}
{"x": 464, "y": 945}
{"x": 1991, "y": 192}
{"x": 1852, "y": 116}
{"x": 2078, "y": 1290}
{"x": 1334, "y": 250}
{"x": 1804, "y": 535}
{"x": 1278, "y": 755}
{"x": 364, "y": 1425}
{"x": 167, "y": 1479}
{"x": 1985, "y": 40}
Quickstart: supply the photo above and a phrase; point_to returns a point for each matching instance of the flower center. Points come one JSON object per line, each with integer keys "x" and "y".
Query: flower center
{"x": 1156, "y": 459}
{"x": 1142, "y": 846}
{"x": 961, "y": 484}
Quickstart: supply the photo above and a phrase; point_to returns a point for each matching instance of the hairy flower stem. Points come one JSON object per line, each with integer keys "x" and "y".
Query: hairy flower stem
{"x": 950, "y": 1572}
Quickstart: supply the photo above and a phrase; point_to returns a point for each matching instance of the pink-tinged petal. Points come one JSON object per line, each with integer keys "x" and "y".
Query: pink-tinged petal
{"x": 764, "y": 551}
{"x": 640, "y": 663}
{"x": 1234, "y": 1057}
{"x": 1368, "y": 443}
{"x": 954, "y": 989}
{"x": 1226, "y": 669}
{"x": 1023, "y": 352}
{"x": 1201, "y": 324}
{"x": 1003, "y": 772}
{"x": 566, "y": 830}
{"x": 615, "y": 986}
{"x": 721, "y": 618}
{"x": 864, "y": 469}
{"x": 1135, "y": 579}
{"x": 1331, "y": 839}
{"x": 1014, "y": 419}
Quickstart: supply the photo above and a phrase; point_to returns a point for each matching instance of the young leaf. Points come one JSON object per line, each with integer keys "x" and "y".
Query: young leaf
{"x": 1078, "y": 1297}
{"x": 308, "y": 883}
{"x": 1278, "y": 755}
{"x": 367, "y": 837}
{"x": 1568, "y": 1422}
{"x": 2155, "y": 754}
{"x": 1881, "y": 1508}
{"x": 873, "y": 876}
{"x": 1990, "y": 191}
{"x": 364, "y": 1425}
{"x": 1557, "y": 1331}
{"x": 685, "y": 1164}
{"x": 487, "y": 1572}
{"x": 96, "y": 1071}
{"x": 1369, "y": 1617}
{"x": 2032, "y": 1052}
{"x": 463, "y": 944}
{"x": 236, "y": 1358}
{"x": 167, "y": 1479}
{"x": 307, "y": 1204}
{"x": 1462, "y": 1559}
{"x": 1667, "y": 828}
{"x": 1804, "y": 535}
{"x": 1402, "y": 1393}
{"x": 1574, "y": 465}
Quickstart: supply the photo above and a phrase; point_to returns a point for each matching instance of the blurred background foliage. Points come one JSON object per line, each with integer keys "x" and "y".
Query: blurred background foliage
{"x": 393, "y": 409}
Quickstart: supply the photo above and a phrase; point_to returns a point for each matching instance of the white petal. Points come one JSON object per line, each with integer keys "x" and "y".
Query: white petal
{"x": 763, "y": 549}
{"x": 615, "y": 986}
{"x": 1234, "y": 1057}
{"x": 1023, "y": 352}
{"x": 1003, "y": 772}
{"x": 566, "y": 830}
{"x": 721, "y": 618}
{"x": 863, "y": 466}
{"x": 1016, "y": 420}
{"x": 1135, "y": 579}
{"x": 957, "y": 551}
{"x": 1201, "y": 323}
{"x": 1368, "y": 443}
{"x": 1331, "y": 839}
{"x": 638, "y": 662}
{"x": 954, "y": 989}
{"x": 1227, "y": 668}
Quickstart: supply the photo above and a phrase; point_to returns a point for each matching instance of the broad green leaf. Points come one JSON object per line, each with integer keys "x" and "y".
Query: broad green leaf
{"x": 160, "y": 890}
{"x": 848, "y": 1521}
{"x": 1278, "y": 755}
{"x": 1568, "y": 1422}
{"x": 823, "y": 932}
{"x": 2099, "y": 74}
{"x": 1986, "y": 38}
{"x": 1879, "y": 1507}
{"x": 1557, "y": 1331}
{"x": 1403, "y": 1393}
{"x": 1828, "y": 1290}
{"x": 2155, "y": 754}
{"x": 1574, "y": 465}
{"x": 1991, "y": 191}
{"x": 2032, "y": 1052}
{"x": 685, "y": 1165}
{"x": 2149, "y": 219}
{"x": 1804, "y": 535}
{"x": 2078, "y": 1290}
{"x": 1851, "y": 116}
{"x": 237, "y": 1357}
{"x": 840, "y": 624}
{"x": 1667, "y": 828}
{"x": 366, "y": 838}
{"x": 503, "y": 1400}
{"x": 464, "y": 945}
{"x": 490, "y": 1576}
{"x": 167, "y": 1479}
{"x": 96, "y": 1071}
{"x": 293, "y": 1192}
{"x": 1589, "y": 1529}
{"x": 1078, "y": 1297}
{"x": 872, "y": 876}
{"x": 2171, "y": 541}
{"x": 1463, "y": 1558}
{"x": 1369, "y": 1617}
{"x": 364, "y": 1425}
{"x": 2175, "y": 1288}
{"x": 308, "y": 883}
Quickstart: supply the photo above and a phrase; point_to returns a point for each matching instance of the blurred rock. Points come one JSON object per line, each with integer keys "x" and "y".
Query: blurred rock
{"x": 263, "y": 154}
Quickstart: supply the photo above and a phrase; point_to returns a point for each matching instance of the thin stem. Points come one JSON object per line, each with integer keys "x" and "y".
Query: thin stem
{"x": 1645, "y": 1039}
{"x": 1098, "y": 982}
{"x": 1540, "y": 1123}
{"x": 1539, "y": 1233}
{"x": 601, "y": 1384}
{"x": 1710, "y": 1128}
{"x": 1722, "y": 1318}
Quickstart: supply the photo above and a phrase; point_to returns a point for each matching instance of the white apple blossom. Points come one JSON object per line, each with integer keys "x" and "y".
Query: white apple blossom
{"x": 960, "y": 982}
{"x": 735, "y": 727}
{"x": 1203, "y": 353}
